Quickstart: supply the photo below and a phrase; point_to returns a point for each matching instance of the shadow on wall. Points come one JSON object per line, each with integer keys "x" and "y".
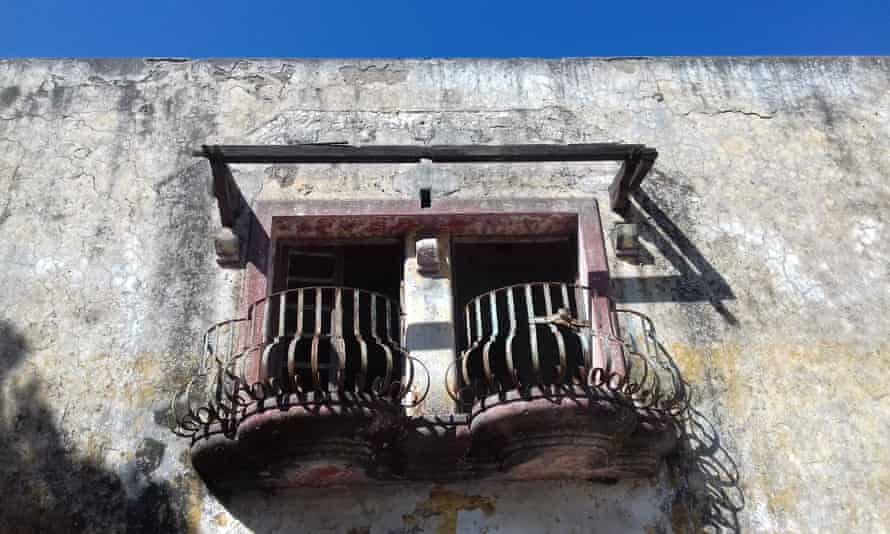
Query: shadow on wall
{"x": 50, "y": 487}
{"x": 698, "y": 281}
{"x": 709, "y": 497}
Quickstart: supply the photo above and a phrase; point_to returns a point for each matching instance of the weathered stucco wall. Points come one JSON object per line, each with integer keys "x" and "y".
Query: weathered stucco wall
{"x": 765, "y": 222}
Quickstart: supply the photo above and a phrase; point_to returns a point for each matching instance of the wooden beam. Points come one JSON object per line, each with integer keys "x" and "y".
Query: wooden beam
{"x": 228, "y": 196}
{"x": 343, "y": 153}
{"x": 636, "y": 160}
{"x": 629, "y": 177}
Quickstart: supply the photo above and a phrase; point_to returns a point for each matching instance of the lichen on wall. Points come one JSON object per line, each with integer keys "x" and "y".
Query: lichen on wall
{"x": 764, "y": 270}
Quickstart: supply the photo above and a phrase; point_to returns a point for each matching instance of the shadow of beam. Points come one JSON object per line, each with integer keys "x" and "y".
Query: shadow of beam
{"x": 698, "y": 281}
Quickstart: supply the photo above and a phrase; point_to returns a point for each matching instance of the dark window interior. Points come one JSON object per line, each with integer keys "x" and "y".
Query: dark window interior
{"x": 480, "y": 267}
{"x": 375, "y": 267}
{"x": 372, "y": 267}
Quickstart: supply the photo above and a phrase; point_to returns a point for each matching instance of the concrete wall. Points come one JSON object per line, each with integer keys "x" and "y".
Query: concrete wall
{"x": 765, "y": 222}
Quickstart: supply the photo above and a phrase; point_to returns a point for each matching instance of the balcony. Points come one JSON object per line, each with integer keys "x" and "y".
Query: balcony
{"x": 299, "y": 392}
{"x": 314, "y": 388}
{"x": 552, "y": 395}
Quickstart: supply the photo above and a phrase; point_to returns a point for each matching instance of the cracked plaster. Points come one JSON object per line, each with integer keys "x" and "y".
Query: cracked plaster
{"x": 772, "y": 301}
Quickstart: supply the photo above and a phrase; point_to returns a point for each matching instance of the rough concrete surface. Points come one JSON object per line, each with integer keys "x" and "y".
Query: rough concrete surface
{"x": 766, "y": 268}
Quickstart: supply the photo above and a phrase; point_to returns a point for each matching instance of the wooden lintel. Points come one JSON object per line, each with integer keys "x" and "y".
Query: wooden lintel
{"x": 344, "y": 153}
{"x": 636, "y": 161}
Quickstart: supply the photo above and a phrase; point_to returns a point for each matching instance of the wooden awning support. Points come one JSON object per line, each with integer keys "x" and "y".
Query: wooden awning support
{"x": 228, "y": 196}
{"x": 636, "y": 161}
{"x": 630, "y": 176}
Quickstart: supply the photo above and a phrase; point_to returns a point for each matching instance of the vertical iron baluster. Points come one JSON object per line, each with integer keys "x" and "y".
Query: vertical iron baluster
{"x": 282, "y": 313}
{"x": 406, "y": 379}
{"x": 477, "y": 338}
{"x": 230, "y": 349}
{"x": 387, "y": 379}
{"x": 533, "y": 334}
{"x": 316, "y": 374}
{"x": 580, "y": 332}
{"x": 292, "y": 367}
{"x": 560, "y": 343}
{"x": 564, "y": 293}
{"x": 477, "y": 304}
{"x": 267, "y": 319}
{"x": 508, "y": 343}
{"x": 363, "y": 347}
{"x": 486, "y": 361}
{"x": 616, "y": 361}
{"x": 338, "y": 346}
{"x": 216, "y": 395}
{"x": 469, "y": 330}
{"x": 581, "y": 303}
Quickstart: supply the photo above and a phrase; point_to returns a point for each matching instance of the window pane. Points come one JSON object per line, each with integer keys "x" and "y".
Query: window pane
{"x": 313, "y": 266}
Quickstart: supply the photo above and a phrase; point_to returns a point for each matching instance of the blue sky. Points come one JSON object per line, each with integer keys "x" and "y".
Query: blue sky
{"x": 445, "y": 28}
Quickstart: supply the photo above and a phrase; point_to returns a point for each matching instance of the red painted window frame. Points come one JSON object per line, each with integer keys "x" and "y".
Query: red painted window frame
{"x": 320, "y": 221}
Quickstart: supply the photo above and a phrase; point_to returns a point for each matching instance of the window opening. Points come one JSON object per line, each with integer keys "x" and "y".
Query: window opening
{"x": 342, "y": 316}
{"x": 483, "y": 266}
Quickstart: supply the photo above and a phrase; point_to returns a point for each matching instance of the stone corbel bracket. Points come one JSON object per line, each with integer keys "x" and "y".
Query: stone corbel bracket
{"x": 231, "y": 203}
{"x": 429, "y": 262}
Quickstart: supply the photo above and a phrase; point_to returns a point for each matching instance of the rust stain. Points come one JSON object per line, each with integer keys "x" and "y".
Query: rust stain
{"x": 193, "y": 516}
{"x": 220, "y": 520}
{"x": 148, "y": 369}
{"x": 445, "y": 505}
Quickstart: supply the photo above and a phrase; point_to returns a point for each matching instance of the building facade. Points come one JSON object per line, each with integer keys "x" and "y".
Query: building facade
{"x": 709, "y": 351}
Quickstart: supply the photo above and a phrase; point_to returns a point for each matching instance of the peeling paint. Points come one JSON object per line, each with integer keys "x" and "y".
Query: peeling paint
{"x": 445, "y": 505}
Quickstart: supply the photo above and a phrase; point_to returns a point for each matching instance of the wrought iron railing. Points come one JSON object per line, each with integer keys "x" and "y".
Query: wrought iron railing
{"x": 314, "y": 345}
{"x": 548, "y": 336}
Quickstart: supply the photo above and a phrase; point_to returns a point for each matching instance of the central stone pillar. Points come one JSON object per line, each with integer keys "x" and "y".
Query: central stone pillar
{"x": 428, "y": 308}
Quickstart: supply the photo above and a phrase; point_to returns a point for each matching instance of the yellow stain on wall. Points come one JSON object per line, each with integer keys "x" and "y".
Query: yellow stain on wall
{"x": 690, "y": 361}
{"x": 797, "y": 417}
{"x": 195, "y": 512}
{"x": 444, "y": 505}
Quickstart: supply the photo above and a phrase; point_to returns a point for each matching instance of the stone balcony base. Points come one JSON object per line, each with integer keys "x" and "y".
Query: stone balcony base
{"x": 580, "y": 435}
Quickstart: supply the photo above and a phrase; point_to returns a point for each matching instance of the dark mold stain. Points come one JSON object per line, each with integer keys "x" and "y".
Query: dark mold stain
{"x": 129, "y": 98}
{"x": 116, "y": 68}
{"x": 841, "y": 152}
{"x": 181, "y": 284}
{"x": 8, "y": 96}
{"x": 149, "y": 455}
{"x": 53, "y": 487}
{"x": 57, "y": 97}
{"x": 357, "y": 75}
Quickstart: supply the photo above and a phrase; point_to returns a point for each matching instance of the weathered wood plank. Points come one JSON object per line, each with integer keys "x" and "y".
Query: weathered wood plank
{"x": 337, "y": 153}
